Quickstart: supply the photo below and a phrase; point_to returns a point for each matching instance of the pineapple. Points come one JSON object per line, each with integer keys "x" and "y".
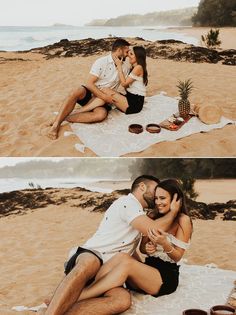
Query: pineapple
{"x": 185, "y": 88}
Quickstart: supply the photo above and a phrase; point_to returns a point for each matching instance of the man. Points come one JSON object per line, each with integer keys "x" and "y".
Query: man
{"x": 119, "y": 231}
{"x": 103, "y": 74}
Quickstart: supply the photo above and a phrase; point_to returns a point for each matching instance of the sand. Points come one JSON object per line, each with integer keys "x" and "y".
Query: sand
{"x": 227, "y": 34}
{"x": 33, "y": 88}
{"x": 34, "y": 247}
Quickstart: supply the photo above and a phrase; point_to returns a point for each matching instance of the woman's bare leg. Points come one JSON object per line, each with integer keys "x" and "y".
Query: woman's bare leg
{"x": 94, "y": 103}
{"x": 109, "y": 265}
{"x": 120, "y": 101}
{"x": 144, "y": 277}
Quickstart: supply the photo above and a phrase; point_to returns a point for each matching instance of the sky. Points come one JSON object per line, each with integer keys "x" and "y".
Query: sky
{"x": 11, "y": 161}
{"x": 79, "y": 12}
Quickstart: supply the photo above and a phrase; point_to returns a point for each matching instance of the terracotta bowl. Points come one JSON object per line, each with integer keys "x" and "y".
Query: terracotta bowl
{"x": 135, "y": 128}
{"x": 153, "y": 128}
{"x": 222, "y": 310}
{"x": 194, "y": 311}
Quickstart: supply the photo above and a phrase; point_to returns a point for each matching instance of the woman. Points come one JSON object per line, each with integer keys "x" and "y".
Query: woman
{"x": 159, "y": 274}
{"x": 135, "y": 85}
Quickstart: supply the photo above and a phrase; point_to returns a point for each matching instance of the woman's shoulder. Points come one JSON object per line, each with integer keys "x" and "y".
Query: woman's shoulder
{"x": 184, "y": 219}
{"x": 138, "y": 70}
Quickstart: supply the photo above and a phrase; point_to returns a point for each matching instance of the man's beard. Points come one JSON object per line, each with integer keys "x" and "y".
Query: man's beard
{"x": 149, "y": 200}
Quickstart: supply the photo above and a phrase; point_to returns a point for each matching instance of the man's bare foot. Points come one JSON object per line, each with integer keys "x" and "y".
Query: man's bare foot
{"x": 47, "y": 301}
{"x": 49, "y": 123}
{"x": 42, "y": 311}
{"x": 53, "y": 133}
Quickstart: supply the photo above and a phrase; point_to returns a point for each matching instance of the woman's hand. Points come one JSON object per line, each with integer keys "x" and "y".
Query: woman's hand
{"x": 157, "y": 237}
{"x": 150, "y": 248}
{"x": 117, "y": 61}
{"x": 175, "y": 204}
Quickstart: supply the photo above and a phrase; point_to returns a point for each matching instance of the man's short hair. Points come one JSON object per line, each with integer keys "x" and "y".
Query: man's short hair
{"x": 119, "y": 43}
{"x": 143, "y": 179}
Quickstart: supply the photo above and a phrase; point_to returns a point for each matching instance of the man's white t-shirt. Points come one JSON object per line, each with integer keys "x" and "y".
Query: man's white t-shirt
{"x": 105, "y": 69}
{"x": 115, "y": 234}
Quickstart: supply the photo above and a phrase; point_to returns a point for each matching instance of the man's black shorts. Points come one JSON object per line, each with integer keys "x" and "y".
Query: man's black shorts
{"x": 88, "y": 97}
{"x": 69, "y": 265}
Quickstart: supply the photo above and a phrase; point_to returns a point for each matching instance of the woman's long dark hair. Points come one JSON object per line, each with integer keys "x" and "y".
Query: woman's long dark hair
{"x": 173, "y": 187}
{"x": 140, "y": 54}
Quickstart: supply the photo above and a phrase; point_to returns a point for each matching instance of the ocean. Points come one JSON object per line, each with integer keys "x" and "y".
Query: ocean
{"x": 17, "y": 38}
{"x": 12, "y": 184}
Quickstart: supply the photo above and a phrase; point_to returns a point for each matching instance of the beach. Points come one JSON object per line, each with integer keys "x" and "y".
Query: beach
{"x": 227, "y": 34}
{"x": 34, "y": 246}
{"x": 33, "y": 88}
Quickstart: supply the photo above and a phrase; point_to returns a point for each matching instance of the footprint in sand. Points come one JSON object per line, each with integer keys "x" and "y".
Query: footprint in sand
{"x": 4, "y": 127}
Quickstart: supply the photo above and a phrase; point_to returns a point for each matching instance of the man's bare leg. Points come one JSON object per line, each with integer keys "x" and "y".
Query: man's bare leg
{"x": 97, "y": 115}
{"x": 67, "y": 293}
{"x": 65, "y": 110}
{"x": 114, "y": 301}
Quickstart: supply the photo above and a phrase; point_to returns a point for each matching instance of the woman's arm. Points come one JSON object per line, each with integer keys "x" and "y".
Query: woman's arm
{"x": 125, "y": 82}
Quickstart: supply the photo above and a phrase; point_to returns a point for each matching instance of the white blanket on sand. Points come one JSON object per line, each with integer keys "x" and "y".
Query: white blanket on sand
{"x": 199, "y": 287}
{"x": 111, "y": 137}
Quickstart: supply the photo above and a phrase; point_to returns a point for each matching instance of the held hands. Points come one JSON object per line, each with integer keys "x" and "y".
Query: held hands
{"x": 175, "y": 204}
{"x": 157, "y": 237}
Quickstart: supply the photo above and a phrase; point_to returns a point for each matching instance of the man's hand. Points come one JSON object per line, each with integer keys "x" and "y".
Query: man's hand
{"x": 175, "y": 204}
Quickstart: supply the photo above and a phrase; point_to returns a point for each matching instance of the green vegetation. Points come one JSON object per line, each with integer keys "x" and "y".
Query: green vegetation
{"x": 187, "y": 170}
{"x": 34, "y": 186}
{"x": 211, "y": 40}
{"x": 215, "y": 13}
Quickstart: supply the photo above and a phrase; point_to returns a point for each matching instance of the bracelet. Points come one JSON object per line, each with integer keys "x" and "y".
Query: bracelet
{"x": 170, "y": 251}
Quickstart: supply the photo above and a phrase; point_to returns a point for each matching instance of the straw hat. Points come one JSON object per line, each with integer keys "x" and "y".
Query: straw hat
{"x": 208, "y": 114}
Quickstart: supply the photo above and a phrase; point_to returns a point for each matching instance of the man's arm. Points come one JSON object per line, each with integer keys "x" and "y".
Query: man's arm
{"x": 92, "y": 79}
{"x": 142, "y": 223}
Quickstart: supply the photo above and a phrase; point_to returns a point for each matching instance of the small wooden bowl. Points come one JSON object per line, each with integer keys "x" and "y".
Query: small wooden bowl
{"x": 228, "y": 310}
{"x": 153, "y": 128}
{"x": 135, "y": 128}
{"x": 194, "y": 311}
